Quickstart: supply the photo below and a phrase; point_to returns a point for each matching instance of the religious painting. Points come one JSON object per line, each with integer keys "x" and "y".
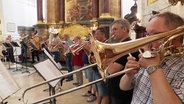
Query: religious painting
{"x": 78, "y": 10}
{"x": 151, "y": 1}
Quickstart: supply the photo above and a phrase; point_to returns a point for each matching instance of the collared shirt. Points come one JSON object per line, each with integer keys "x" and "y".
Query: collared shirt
{"x": 55, "y": 41}
{"x": 68, "y": 42}
{"x": 174, "y": 72}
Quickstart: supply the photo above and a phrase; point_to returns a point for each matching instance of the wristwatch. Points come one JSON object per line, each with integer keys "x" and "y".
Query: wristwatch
{"x": 152, "y": 68}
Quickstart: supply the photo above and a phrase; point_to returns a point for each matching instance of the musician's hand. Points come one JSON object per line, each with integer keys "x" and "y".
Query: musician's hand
{"x": 77, "y": 53}
{"x": 132, "y": 63}
{"x": 87, "y": 46}
{"x": 151, "y": 61}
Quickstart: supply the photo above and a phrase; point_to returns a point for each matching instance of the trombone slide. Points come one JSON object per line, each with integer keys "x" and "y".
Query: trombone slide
{"x": 85, "y": 85}
{"x": 62, "y": 76}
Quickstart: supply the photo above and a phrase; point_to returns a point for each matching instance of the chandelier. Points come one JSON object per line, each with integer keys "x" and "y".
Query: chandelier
{"x": 174, "y": 2}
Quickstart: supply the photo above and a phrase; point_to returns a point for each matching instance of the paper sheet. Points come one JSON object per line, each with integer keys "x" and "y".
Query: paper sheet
{"x": 50, "y": 57}
{"x": 8, "y": 86}
{"x": 48, "y": 71}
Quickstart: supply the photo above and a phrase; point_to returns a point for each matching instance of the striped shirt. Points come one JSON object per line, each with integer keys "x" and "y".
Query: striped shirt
{"x": 174, "y": 72}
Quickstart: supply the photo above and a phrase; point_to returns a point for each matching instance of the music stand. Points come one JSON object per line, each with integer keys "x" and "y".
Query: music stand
{"x": 48, "y": 70}
{"x": 49, "y": 55}
{"x": 8, "y": 85}
{"x": 8, "y": 46}
{"x": 15, "y": 45}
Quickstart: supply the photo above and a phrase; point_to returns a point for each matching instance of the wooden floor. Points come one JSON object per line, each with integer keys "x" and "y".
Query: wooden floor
{"x": 25, "y": 80}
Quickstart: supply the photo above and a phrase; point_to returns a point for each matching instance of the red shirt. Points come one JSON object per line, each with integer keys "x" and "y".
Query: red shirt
{"x": 77, "y": 58}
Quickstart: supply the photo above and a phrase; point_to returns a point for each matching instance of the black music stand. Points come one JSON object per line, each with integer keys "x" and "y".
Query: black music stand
{"x": 24, "y": 58}
{"x": 8, "y": 46}
{"x": 15, "y": 44}
{"x": 48, "y": 70}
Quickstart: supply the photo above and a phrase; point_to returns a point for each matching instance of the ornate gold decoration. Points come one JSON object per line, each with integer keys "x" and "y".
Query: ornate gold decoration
{"x": 174, "y": 2}
{"x": 151, "y": 1}
{"x": 75, "y": 29}
{"x": 40, "y": 22}
{"x": 105, "y": 15}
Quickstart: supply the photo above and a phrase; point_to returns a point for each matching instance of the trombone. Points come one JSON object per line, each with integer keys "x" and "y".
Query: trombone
{"x": 70, "y": 48}
{"x": 81, "y": 47}
{"x": 57, "y": 45}
{"x": 108, "y": 53}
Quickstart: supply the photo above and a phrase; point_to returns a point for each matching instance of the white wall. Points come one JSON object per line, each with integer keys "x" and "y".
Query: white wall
{"x": 1, "y": 21}
{"x": 160, "y": 5}
{"x": 18, "y": 13}
{"x": 126, "y": 5}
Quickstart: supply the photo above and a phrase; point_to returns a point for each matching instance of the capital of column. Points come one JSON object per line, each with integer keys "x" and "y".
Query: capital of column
{"x": 40, "y": 22}
{"x": 105, "y": 15}
{"x": 61, "y": 22}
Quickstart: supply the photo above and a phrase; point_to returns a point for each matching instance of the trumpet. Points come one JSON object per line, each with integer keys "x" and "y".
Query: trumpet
{"x": 22, "y": 38}
{"x": 81, "y": 46}
{"x": 74, "y": 51}
{"x": 57, "y": 45}
{"x": 108, "y": 53}
{"x": 70, "y": 48}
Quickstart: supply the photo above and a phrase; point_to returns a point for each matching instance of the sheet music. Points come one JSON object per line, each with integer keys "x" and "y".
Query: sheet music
{"x": 50, "y": 57}
{"x": 8, "y": 85}
{"x": 48, "y": 70}
{"x": 16, "y": 51}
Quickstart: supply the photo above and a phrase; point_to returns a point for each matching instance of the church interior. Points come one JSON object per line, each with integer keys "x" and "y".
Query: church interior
{"x": 28, "y": 28}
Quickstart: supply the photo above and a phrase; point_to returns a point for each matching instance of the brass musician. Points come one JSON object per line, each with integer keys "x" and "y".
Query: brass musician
{"x": 35, "y": 46}
{"x": 54, "y": 44}
{"x": 24, "y": 46}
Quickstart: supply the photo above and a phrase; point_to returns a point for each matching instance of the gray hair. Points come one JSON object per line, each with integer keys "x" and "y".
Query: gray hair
{"x": 122, "y": 23}
{"x": 172, "y": 21}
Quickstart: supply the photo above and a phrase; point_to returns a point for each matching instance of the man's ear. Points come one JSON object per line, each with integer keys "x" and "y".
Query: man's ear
{"x": 124, "y": 29}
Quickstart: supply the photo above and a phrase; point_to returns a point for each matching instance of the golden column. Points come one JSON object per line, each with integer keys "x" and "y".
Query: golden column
{"x": 52, "y": 11}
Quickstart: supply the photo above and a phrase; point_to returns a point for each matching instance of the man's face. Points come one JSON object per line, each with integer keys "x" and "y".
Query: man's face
{"x": 117, "y": 31}
{"x": 98, "y": 35}
{"x": 76, "y": 40}
{"x": 156, "y": 26}
{"x": 55, "y": 35}
{"x": 65, "y": 37}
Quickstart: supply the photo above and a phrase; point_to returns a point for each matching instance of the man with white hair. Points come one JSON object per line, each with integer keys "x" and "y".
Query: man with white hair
{"x": 54, "y": 45}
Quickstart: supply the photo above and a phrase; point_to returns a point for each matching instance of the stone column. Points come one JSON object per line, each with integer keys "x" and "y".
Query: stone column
{"x": 95, "y": 9}
{"x": 105, "y": 12}
{"x": 62, "y": 11}
{"x": 39, "y": 11}
{"x": 105, "y": 19}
